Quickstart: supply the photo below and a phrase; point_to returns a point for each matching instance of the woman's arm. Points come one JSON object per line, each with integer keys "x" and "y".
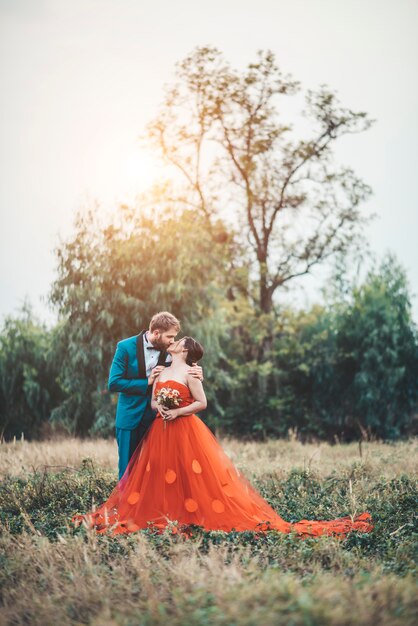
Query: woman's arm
{"x": 200, "y": 402}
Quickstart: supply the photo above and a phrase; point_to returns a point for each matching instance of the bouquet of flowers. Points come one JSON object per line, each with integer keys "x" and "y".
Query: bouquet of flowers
{"x": 168, "y": 398}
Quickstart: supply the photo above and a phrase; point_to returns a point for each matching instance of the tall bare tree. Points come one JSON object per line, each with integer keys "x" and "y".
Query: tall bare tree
{"x": 220, "y": 128}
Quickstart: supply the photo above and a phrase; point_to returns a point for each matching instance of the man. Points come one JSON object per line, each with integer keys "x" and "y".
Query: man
{"x": 138, "y": 361}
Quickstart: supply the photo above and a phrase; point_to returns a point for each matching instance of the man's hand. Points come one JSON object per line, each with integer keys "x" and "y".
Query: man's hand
{"x": 196, "y": 371}
{"x": 155, "y": 373}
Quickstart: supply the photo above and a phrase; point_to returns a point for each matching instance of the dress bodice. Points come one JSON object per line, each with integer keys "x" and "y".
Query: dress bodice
{"x": 185, "y": 396}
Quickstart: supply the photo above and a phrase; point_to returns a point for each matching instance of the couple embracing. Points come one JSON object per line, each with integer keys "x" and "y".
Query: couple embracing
{"x": 171, "y": 466}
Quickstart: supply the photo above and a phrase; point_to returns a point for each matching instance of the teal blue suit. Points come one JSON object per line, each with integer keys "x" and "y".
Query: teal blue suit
{"x": 134, "y": 414}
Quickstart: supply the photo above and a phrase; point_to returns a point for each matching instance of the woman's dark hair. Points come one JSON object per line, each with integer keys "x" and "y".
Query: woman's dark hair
{"x": 195, "y": 350}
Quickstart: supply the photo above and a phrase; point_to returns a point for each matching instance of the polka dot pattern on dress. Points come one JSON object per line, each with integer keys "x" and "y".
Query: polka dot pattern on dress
{"x": 191, "y": 505}
{"x": 170, "y": 476}
{"x": 133, "y": 497}
{"x": 218, "y": 506}
{"x": 196, "y": 467}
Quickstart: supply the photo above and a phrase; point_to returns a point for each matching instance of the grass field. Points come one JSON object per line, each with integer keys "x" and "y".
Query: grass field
{"x": 52, "y": 573}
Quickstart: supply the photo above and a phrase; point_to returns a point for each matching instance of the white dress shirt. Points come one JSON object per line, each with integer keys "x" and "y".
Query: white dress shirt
{"x": 152, "y": 355}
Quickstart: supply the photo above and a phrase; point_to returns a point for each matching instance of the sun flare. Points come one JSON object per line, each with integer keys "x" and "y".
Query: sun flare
{"x": 138, "y": 170}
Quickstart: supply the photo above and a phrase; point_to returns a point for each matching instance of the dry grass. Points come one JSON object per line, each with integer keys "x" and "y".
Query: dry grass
{"x": 22, "y": 457}
{"x": 254, "y": 459}
{"x": 75, "y": 586}
{"x": 52, "y": 574}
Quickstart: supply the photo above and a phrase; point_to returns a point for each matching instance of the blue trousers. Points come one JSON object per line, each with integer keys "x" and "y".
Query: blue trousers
{"x": 128, "y": 441}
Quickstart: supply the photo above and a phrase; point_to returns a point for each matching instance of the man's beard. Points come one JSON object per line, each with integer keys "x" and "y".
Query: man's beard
{"x": 159, "y": 345}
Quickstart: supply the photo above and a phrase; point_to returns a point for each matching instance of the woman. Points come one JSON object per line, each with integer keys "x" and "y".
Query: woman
{"x": 180, "y": 472}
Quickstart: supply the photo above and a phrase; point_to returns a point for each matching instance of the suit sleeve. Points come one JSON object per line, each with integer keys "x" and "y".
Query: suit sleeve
{"x": 117, "y": 376}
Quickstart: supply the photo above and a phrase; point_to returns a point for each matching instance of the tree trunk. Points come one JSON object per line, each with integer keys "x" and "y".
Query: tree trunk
{"x": 266, "y": 296}
{"x": 266, "y": 308}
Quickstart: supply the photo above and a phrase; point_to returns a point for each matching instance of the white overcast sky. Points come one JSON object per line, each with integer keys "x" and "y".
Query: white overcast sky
{"x": 80, "y": 79}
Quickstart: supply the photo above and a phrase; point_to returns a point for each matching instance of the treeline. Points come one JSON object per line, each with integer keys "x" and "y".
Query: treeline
{"x": 345, "y": 369}
{"x": 253, "y": 207}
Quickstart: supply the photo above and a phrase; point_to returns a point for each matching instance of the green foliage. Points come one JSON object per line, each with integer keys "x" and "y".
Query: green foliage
{"x": 346, "y": 370}
{"x": 45, "y": 502}
{"x": 51, "y": 572}
{"x": 112, "y": 279}
{"x": 29, "y": 388}
{"x": 231, "y": 120}
{"x": 378, "y": 344}
{"x": 341, "y": 371}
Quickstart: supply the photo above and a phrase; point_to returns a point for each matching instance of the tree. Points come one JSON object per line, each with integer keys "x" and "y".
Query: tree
{"x": 113, "y": 275}
{"x": 294, "y": 207}
{"x": 348, "y": 369}
{"x": 378, "y": 346}
{"x": 29, "y": 386}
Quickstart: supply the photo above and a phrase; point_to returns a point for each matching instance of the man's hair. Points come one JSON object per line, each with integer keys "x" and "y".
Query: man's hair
{"x": 164, "y": 321}
{"x": 195, "y": 350}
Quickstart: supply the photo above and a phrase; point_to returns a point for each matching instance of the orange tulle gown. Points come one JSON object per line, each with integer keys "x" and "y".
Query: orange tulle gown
{"x": 180, "y": 473}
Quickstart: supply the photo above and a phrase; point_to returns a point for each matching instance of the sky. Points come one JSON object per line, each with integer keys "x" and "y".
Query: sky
{"x": 80, "y": 80}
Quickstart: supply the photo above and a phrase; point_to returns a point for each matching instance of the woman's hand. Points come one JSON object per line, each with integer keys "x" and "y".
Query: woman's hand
{"x": 169, "y": 414}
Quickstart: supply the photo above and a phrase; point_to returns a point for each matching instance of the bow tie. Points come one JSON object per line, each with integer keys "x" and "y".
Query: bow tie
{"x": 152, "y": 348}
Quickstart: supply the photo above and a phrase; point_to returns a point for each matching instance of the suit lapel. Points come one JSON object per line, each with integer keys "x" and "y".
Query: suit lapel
{"x": 162, "y": 358}
{"x": 142, "y": 373}
{"x": 140, "y": 355}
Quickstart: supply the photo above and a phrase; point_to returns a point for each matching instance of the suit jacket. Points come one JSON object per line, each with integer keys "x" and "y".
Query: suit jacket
{"x": 128, "y": 377}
